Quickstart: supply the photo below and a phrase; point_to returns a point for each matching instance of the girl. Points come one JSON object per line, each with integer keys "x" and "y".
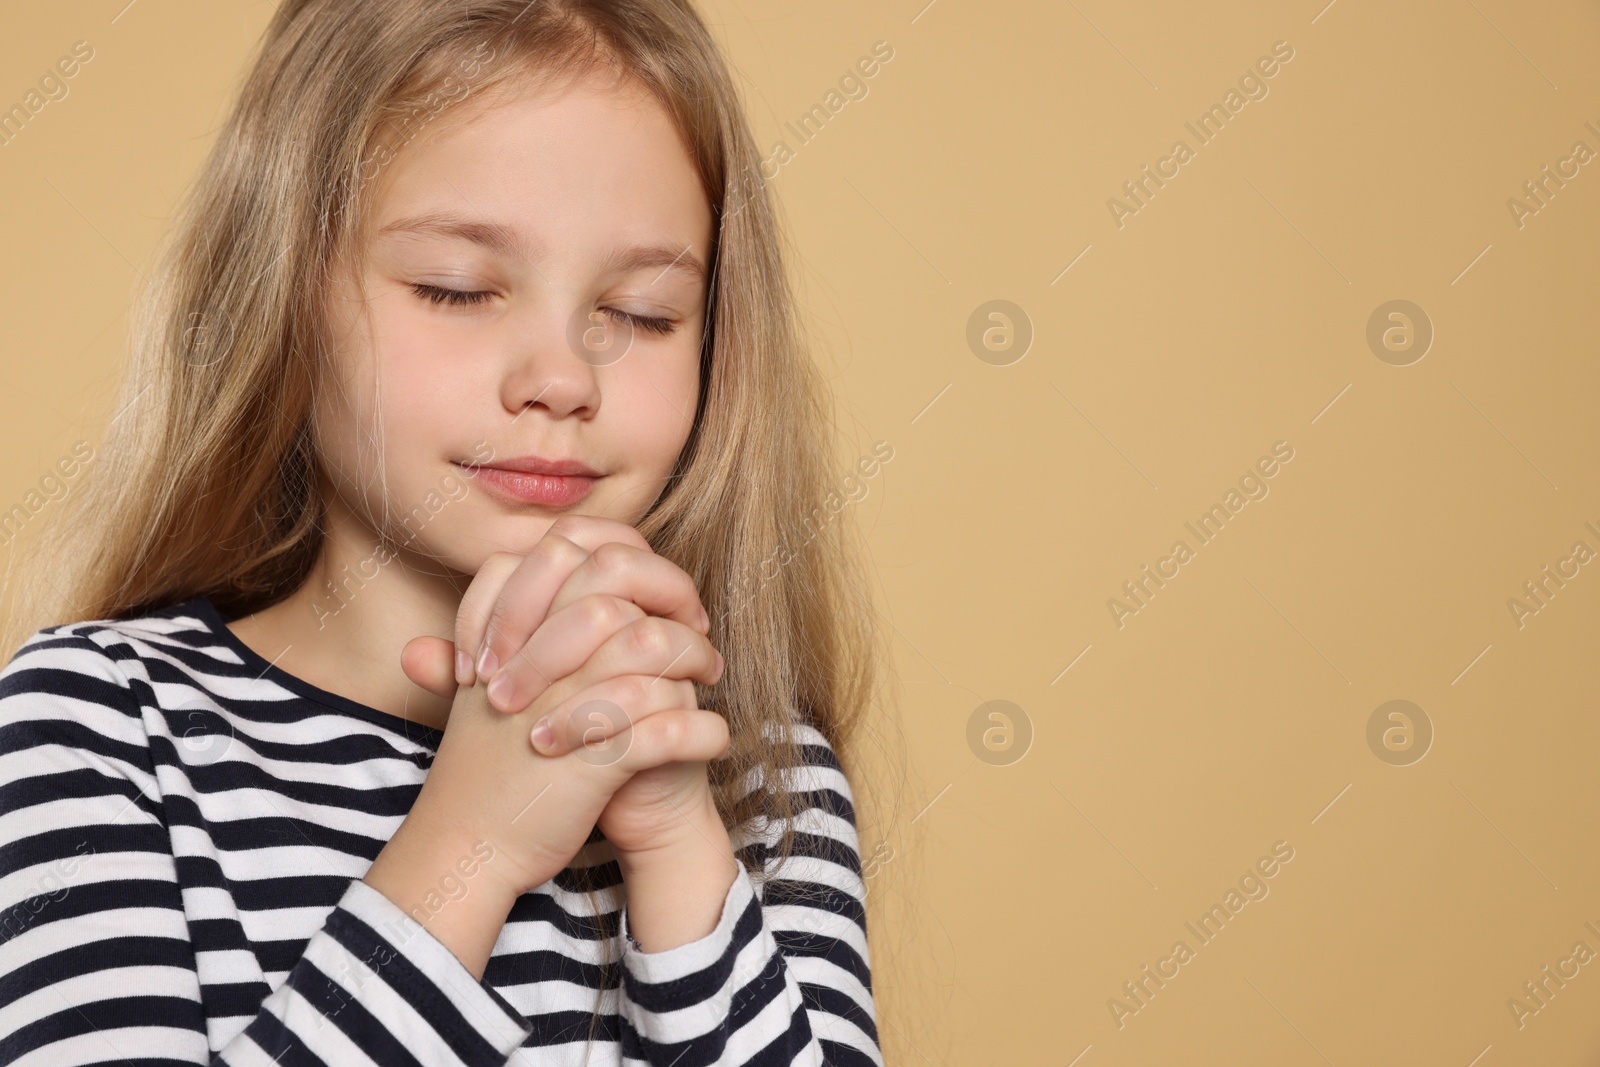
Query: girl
{"x": 468, "y": 430}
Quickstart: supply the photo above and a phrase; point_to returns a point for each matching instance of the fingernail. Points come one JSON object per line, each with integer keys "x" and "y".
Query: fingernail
{"x": 705, "y": 620}
{"x": 721, "y": 665}
{"x": 487, "y": 662}
{"x": 541, "y": 734}
{"x": 500, "y": 691}
{"x": 463, "y": 667}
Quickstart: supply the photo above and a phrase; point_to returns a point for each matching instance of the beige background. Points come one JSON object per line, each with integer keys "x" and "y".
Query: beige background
{"x": 1010, "y": 902}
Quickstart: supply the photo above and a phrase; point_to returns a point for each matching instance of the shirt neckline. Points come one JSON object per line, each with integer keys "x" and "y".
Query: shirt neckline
{"x": 208, "y": 613}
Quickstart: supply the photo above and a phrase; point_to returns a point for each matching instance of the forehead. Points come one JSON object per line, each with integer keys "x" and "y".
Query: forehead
{"x": 543, "y": 166}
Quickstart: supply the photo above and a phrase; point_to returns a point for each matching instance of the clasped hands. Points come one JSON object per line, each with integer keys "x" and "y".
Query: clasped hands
{"x": 596, "y": 641}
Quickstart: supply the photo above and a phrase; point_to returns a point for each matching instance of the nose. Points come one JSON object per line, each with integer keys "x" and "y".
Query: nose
{"x": 546, "y": 368}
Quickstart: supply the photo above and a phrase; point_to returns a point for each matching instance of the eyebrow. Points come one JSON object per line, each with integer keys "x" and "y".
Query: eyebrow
{"x": 507, "y": 242}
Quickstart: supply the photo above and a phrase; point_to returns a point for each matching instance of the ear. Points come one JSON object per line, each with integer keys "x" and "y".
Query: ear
{"x": 430, "y": 663}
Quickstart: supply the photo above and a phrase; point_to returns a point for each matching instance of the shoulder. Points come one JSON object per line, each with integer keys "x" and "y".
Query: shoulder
{"x": 72, "y": 668}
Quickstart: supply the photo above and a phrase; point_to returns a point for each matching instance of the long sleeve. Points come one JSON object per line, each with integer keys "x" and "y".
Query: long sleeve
{"x": 96, "y": 960}
{"x": 784, "y": 977}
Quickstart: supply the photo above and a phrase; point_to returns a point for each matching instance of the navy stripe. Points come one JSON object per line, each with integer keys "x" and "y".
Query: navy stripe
{"x": 122, "y": 1008}
{"x": 835, "y": 1002}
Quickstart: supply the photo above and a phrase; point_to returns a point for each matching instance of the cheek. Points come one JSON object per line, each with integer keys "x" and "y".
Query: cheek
{"x": 386, "y": 400}
{"x": 411, "y": 353}
{"x": 418, "y": 381}
{"x": 648, "y": 429}
{"x": 653, "y": 403}
{"x": 344, "y": 404}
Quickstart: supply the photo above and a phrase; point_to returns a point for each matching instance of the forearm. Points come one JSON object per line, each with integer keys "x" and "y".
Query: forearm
{"x": 676, "y": 892}
{"x": 446, "y": 886}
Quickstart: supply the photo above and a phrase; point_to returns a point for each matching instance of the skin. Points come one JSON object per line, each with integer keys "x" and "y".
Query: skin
{"x": 575, "y": 175}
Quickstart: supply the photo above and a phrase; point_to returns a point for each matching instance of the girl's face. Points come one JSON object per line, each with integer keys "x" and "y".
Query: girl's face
{"x": 535, "y": 287}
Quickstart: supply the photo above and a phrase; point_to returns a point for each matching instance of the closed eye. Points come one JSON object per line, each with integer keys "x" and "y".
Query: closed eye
{"x": 440, "y": 295}
{"x": 644, "y": 322}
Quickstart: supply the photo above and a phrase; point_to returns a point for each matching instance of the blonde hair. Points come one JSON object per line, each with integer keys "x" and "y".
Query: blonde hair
{"x": 208, "y": 480}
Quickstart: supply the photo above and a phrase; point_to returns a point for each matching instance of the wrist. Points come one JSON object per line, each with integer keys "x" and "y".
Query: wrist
{"x": 696, "y": 836}
{"x": 434, "y": 841}
{"x": 679, "y": 899}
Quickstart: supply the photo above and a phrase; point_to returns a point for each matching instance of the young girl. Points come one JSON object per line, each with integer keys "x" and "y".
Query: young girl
{"x": 464, "y": 658}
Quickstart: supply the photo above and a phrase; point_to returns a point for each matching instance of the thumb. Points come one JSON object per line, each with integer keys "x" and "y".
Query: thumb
{"x": 430, "y": 662}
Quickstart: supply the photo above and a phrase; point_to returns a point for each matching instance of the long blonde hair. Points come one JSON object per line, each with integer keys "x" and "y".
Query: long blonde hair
{"x": 207, "y": 480}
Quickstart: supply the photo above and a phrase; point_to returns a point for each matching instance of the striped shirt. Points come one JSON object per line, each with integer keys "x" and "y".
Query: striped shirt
{"x": 183, "y": 832}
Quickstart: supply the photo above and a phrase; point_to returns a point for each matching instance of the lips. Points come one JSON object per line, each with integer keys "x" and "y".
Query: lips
{"x": 541, "y": 465}
{"x": 550, "y": 484}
